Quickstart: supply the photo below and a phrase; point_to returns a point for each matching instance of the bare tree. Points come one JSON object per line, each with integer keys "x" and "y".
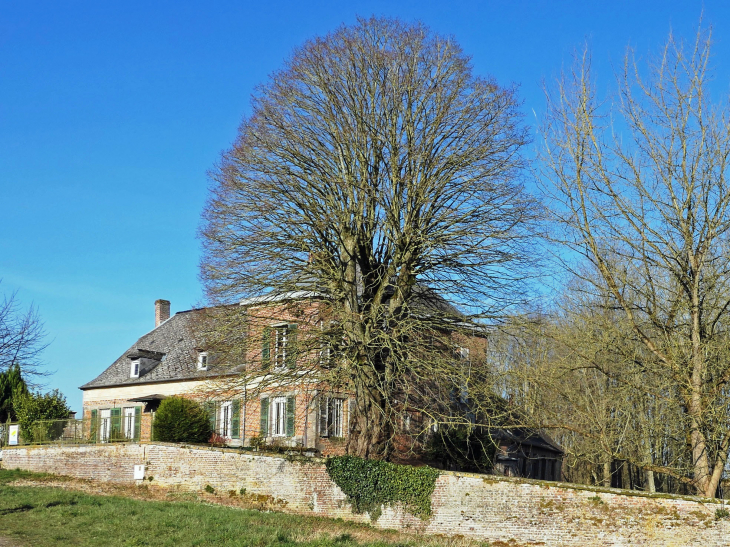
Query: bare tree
{"x": 21, "y": 337}
{"x": 375, "y": 169}
{"x": 580, "y": 371}
{"x": 642, "y": 194}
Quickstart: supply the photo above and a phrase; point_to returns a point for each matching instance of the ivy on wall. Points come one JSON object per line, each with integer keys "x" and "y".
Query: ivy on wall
{"x": 371, "y": 484}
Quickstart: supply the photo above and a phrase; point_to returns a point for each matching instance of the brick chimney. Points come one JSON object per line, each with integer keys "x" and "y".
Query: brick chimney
{"x": 162, "y": 311}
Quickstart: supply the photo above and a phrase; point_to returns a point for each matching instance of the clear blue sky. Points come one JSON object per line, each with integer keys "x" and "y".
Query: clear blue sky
{"x": 112, "y": 112}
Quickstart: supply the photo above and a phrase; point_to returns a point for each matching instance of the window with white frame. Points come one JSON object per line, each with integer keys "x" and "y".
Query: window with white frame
{"x": 278, "y": 417}
{"x": 105, "y": 424}
{"x": 203, "y": 360}
{"x": 128, "y": 422}
{"x": 224, "y": 419}
{"x": 281, "y": 338}
{"x": 330, "y": 416}
{"x": 134, "y": 371}
{"x": 325, "y": 355}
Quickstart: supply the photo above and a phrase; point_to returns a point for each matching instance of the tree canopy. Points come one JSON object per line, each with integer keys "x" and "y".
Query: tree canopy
{"x": 375, "y": 168}
{"x": 641, "y": 194}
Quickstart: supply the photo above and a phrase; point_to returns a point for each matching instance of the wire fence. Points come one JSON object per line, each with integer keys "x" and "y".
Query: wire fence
{"x": 68, "y": 431}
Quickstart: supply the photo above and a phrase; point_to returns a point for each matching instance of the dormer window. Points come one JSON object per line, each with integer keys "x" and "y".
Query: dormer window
{"x": 134, "y": 372}
{"x": 203, "y": 360}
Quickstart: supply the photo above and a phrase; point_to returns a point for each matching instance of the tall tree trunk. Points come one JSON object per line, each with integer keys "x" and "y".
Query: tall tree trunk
{"x": 607, "y": 473}
{"x": 700, "y": 458}
{"x": 649, "y": 485}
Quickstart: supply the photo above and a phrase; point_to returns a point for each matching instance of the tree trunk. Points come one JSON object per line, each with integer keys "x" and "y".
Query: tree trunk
{"x": 649, "y": 485}
{"x": 700, "y": 459}
{"x": 607, "y": 473}
{"x": 370, "y": 429}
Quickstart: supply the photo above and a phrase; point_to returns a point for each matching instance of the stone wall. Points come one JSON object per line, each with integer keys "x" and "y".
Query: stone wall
{"x": 478, "y": 506}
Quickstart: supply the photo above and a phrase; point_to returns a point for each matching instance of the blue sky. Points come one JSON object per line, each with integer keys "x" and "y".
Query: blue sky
{"x": 112, "y": 112}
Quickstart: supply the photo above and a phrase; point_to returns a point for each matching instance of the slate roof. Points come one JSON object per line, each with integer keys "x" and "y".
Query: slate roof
{"x": 175, "y": 340}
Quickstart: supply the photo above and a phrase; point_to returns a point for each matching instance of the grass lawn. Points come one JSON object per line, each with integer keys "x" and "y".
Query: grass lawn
{"x": 49, "y": 515}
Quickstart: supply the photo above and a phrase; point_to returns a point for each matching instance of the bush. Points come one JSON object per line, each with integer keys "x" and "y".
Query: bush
{"x": 370, "y": 484}
{"x": 41, "y": 417}
{"x": 181, "y": 420}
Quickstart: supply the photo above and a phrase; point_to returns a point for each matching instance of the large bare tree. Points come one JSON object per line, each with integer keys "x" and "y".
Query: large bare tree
{"x": 640, "y": 189}
{"x": 374, "y": 169}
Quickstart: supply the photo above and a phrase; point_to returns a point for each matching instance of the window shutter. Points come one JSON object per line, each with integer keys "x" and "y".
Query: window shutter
{"x": 264, "y": 430}
{"x": 137, "y": 422}
{"x": 94, "y": 425}
{"x": 323, "y": 429}
{"x": 290, "y": 401}
{"x": 266, "y": 349}
{"x": 292, "y": 349}
{"x": 350, "y": 415}
{"x": 235, "y": 419}
{"x": 210, "y": 409}
{"x": 116, "y": 424}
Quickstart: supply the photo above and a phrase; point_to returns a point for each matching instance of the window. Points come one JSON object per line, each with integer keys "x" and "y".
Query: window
{"x": 463, "y": 354}
{"x": 279, "y": 346}
{"x": 278, "y": 417}
{"x": 281, "y": 337}
{"x": 128, "y": 423}
{"x": 224, "y": 425}
{"x": 325, "y": 355}
{"x": 134, "y": 372}
{"x": 105, "y": 425}
{"x": 330, "y": 417}
{"x": 203, "y": 360}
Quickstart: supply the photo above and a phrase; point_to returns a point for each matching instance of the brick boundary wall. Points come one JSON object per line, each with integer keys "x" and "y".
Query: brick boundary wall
{"x": 479, "y": 506}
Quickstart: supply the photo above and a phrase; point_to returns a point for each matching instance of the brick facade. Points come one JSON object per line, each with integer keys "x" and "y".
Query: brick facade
{"x": 479, "y": 506}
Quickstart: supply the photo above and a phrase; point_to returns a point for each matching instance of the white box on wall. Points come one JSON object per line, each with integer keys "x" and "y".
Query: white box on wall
{"x": 139, "y": 472}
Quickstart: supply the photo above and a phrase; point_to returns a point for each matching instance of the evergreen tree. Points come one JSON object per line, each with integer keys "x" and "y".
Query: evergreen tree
{"x": 11, "y": 382}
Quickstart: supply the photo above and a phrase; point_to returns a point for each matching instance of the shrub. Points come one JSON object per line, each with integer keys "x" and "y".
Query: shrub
{"x": 722, "y": 514}
{"x": 181, "y": 420}
{"x": 41, "y": 417}
{"x": 370, "y": 484}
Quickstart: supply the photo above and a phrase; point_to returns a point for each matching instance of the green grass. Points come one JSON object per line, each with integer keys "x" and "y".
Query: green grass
{"x": 55, "y": 516}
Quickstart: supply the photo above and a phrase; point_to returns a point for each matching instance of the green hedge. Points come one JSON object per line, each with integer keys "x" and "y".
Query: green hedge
{"x": 371, "y": 484}
{"x": 181, "y": 420}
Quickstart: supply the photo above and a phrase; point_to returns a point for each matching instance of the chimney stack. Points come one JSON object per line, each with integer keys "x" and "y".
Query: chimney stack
{"x": 162, "y": 311}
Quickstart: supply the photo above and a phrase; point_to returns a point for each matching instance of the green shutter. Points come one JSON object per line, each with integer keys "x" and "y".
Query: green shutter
{"x": 137, "y": 422}
{"x": 94, "y": 425}
{"x": 291, "y": 350}
{"x": 266, "y": 349}
{"x": 210, "y": 409}
{"x": 116, "y": 424}
{"x": 290, "y": 416}
{"x": 264, "y": 431}
{"x": 235, "y": 419}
